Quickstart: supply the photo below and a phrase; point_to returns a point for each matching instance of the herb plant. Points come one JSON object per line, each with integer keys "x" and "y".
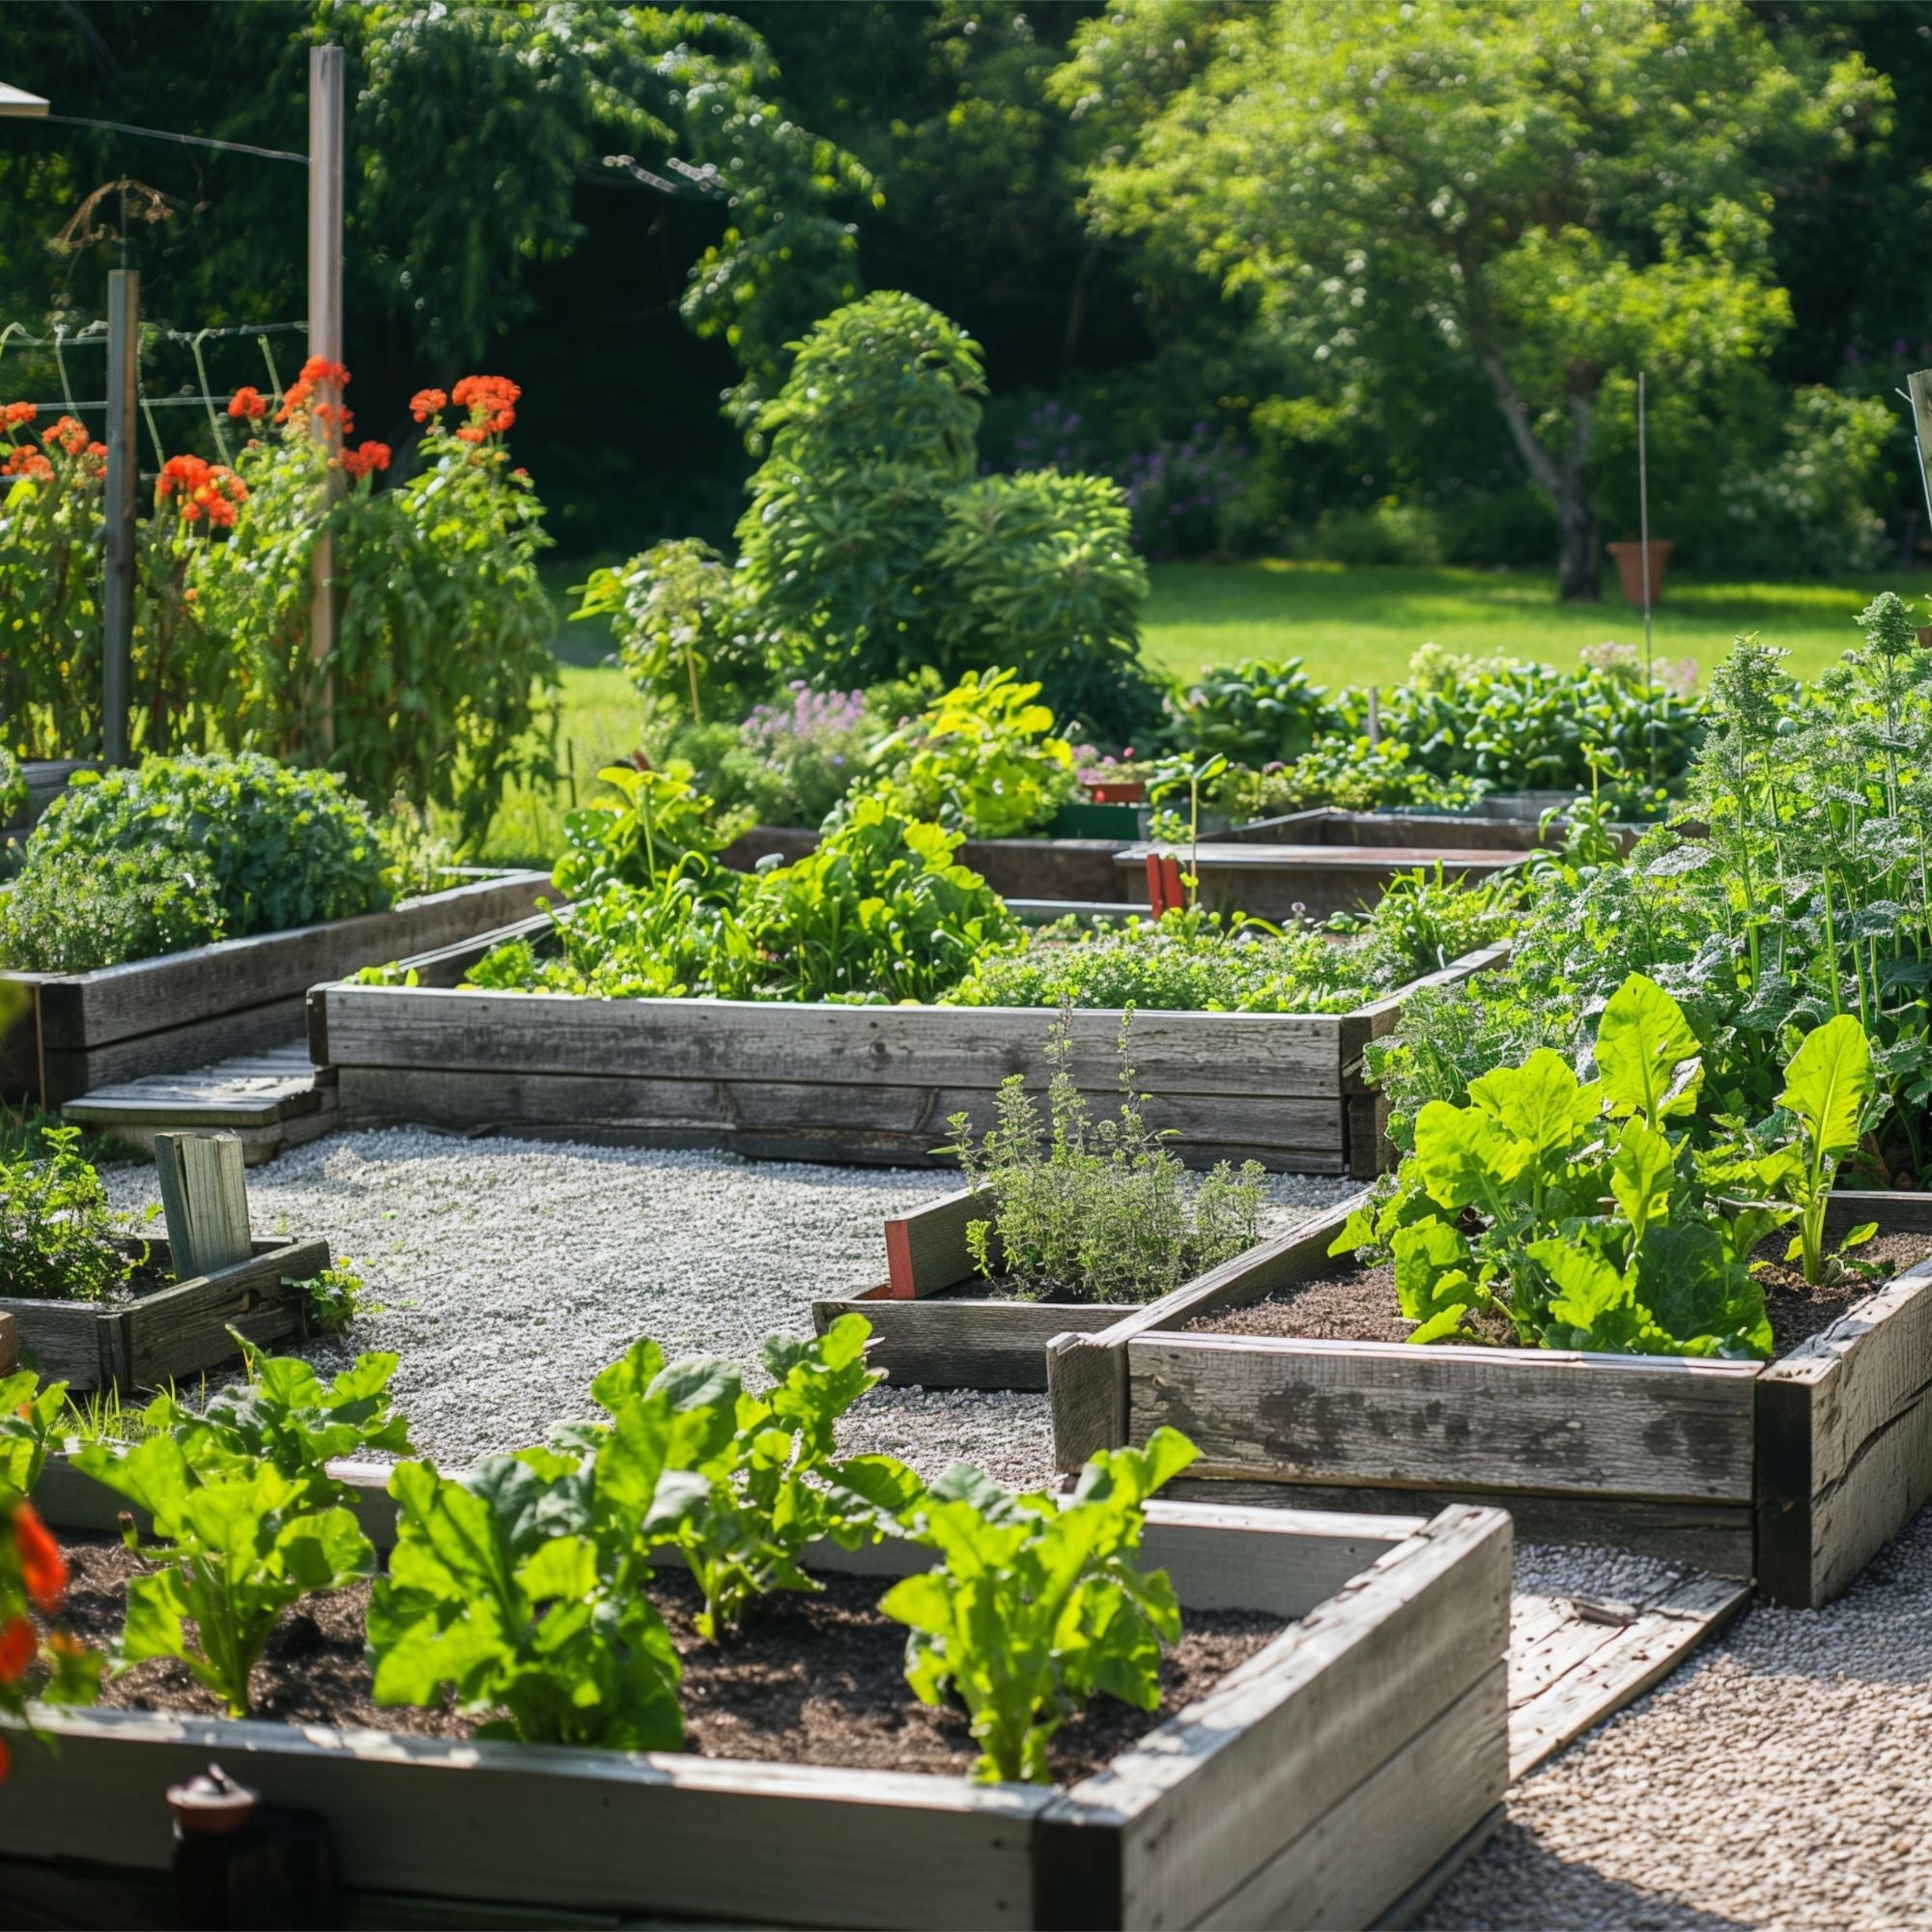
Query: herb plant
{"x": 56, "y": 1228}
{"x": 662, "y": 817}
{"x": 1095, "y": 1210}
{"x": 1038, "y": 1607}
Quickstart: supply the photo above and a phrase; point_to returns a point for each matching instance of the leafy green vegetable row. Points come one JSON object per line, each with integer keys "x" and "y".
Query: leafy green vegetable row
{"x": 521, "y": 1590}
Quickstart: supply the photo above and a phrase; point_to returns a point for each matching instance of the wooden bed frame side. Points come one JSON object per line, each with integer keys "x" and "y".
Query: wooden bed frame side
{"x": 1389, "y": 1689}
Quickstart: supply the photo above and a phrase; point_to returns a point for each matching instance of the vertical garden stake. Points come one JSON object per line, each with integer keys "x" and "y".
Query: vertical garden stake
{"x": 325, "y": 338}
{"x": 124, "y": 462}
{"x": 1643, "y": 539}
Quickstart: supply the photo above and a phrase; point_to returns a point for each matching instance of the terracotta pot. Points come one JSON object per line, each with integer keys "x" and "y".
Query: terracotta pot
{"x": 1123, "y": 791}
{"x": 1630, "y": 568}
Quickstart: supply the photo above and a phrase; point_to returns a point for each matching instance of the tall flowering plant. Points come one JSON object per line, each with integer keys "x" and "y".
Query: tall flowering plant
{"x": 50, "y": 582}
{"x": 440, "y": 673}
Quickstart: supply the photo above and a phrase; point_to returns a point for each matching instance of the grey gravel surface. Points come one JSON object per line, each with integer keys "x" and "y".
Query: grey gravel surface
{"x": 509, "y": 1272}
{"x": 1782, "y": 1778}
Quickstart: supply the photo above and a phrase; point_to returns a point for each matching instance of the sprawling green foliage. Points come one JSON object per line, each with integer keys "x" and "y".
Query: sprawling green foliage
{"x": 982, "y": 760}
{"x": 1260, "y": 711}
{"x": 1590, "y": 1231}
{"x": 521, "y": 1587}
{"x": 1039, "y": 1605}
{"x": 878, "y": 910}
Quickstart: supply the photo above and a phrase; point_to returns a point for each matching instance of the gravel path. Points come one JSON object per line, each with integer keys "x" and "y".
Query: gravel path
{"x": 509, "y": 1272}
{"x": 1782, "y": 1778}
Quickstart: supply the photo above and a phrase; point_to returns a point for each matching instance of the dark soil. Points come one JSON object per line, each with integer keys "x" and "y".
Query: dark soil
{"x": 806, "y": 1680}
{"x": 1358, "y": 1304}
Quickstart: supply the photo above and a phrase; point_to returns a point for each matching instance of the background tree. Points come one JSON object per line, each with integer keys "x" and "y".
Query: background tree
{"x": 1546, "y": 193}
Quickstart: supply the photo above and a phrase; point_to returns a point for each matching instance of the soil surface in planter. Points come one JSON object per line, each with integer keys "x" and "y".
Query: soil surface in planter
{"x": 805, "y": 1680}
{"x": 1358, "y": 1304}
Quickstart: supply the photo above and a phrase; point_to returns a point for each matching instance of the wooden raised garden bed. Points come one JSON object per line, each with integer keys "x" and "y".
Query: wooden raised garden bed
{"x": 172, "y": 1332}
{"x": 931, "y": 1329}
{"x": 804, "y": 1081}
{"x": 1793, "y": 1473}
{"x": 87, "y": 1030}
{"x": 47, "y": 778}
{"x": 1335, "y": 1778}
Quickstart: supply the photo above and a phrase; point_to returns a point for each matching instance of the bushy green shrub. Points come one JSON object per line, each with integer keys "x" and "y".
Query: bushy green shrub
{"x": 70, "y": 913}
{"x": 869, "y": 550}
{"x": 1348, "y": 772}
{"x": 269, "y": 847}
{"x": 55, "y": 1224}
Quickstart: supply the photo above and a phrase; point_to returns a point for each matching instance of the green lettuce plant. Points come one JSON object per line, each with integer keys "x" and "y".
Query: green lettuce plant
{"x": 1035, "y": 1606}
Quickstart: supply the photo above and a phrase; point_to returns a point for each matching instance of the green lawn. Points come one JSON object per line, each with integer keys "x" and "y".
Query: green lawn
{"x": 1355, "y": 626}
{"x": 1350, "y": 626}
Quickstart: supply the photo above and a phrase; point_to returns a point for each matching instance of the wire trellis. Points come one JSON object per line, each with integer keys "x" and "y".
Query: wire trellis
{"x": 93, "y": 336}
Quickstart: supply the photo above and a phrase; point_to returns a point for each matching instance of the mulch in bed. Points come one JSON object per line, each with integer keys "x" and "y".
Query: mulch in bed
{"x": 1358, "y": 1304}
{"x": 806, "y": 1680}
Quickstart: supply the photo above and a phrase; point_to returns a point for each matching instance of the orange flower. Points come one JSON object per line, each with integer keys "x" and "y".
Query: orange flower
{"x": 42, "y": 1568}
{"x": 319, "y": 370}
{"x": 490, "y": 400}
{"x": 427, "y": 403}
{"x": 67, "y": 434}
{"x": 471, "y": 433}
{"x": 27, "y": 461}
{"x": 206, "y": 490}
{"x": 16, "y": 1650}
{"x": 370, "y": 457}
{"x": 335, "y": 417}
{"x": 18, "y": 413}
{"x": 248, "y": 402}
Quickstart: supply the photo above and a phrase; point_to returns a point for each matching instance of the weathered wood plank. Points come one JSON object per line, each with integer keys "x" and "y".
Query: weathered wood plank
{"x": 927, "y": 1250}
{"x": 1449, "y": 1417}
{"x": 74, "y": 1074}
{"x": 542, "y": 1826}
{"x": 1845, "y": 1443}
{"x": 1086, "y": 1388}
{"x": 856, "y": 1120}
{"x": 182, "y": 1331}
{"x": 204, "y": 1200}
{"x": 1381, "y": 1841}
{"x": 964, "y": 1344}
{"x": 1562, "y": 1689}
{"x": 805, "y": 1043}
{"x": 1717, "y": 1537}
{"x": 87, "y": 1010}
{"x": 1310, "y": 1719}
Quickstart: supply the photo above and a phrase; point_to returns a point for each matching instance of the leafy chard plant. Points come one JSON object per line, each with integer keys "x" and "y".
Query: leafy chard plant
{"x": 1570, "y": 1209}
{"x": 1095, "y": 1210}
{"x": 1035, "y": 1606}
{"x": 521, "y": 1587}
{"x": 772, "y": 1479}
{"x": 247, "y": 1521}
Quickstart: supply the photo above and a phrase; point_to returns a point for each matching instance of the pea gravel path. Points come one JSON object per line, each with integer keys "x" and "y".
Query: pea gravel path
{"x": 509, "y": 1272}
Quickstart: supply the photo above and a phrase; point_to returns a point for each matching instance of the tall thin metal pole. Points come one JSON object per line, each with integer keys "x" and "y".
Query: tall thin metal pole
{"x": 326, "y": 88}
{"x": 1643, "y": 542}
{"x": 123, "y": 463}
